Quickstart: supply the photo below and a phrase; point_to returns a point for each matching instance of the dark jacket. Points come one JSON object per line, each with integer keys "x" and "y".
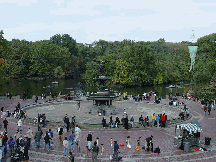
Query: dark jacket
{"x": 38, "y": 135}
{"x": 47, "y": 139}
{"x": 11, "y": 143}
{"x": 116, "y": 147}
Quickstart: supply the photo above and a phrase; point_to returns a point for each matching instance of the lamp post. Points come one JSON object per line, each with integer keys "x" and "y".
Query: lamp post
{"x": 192, "y": 50}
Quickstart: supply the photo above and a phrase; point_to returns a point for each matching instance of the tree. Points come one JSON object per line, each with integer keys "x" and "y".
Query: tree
{"x": 46, "y": 57}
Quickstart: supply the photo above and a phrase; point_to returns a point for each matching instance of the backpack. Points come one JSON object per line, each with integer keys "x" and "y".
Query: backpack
{"x": 22, "y": 142}
{"x": 157, "y": 150}
{"x": 71, "y": 138}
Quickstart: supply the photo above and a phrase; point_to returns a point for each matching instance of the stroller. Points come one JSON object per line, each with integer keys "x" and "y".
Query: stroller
{"x": 112, "y": 125}
{"x": 18, "y": 155}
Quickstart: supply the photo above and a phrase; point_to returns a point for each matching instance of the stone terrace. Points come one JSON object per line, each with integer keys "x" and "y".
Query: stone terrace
{"x": 163, "y": 137}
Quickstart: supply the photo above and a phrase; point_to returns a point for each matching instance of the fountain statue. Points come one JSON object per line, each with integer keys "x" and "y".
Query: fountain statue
{"x": 103, "y": 98}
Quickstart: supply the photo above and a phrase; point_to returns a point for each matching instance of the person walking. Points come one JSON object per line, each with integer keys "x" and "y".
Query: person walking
{"x": 11, "y": 144}
{"x": 20, "y": 124}
{"x": 37, "y": 137}
{"x": 71, "y": 139}
{"x": 132, "y": 121}
{"x": 116, "y": 150}
{"x": 158, "y": 120}
{"x": 65, "y": 144}
{"x": 29, "y": 135}
{"x": 95, "y": 150}
{"x": 46, "y": 141}
{"x": 5, "y": 122}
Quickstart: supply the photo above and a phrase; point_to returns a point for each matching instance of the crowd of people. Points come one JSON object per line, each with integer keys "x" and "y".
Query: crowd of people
{"x": 21, "y": 142}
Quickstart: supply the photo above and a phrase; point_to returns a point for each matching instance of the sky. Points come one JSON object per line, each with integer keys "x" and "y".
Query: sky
{"x": 110, "y": 20}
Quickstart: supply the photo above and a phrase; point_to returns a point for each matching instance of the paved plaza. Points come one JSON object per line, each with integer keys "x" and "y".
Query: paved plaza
{"x": 163, "y": 137}
{"x": 57, "y": 110}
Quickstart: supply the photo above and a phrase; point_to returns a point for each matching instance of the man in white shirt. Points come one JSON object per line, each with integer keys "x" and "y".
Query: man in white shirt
{"x": 77, "y": 131}
{"x": 20, "y": 124}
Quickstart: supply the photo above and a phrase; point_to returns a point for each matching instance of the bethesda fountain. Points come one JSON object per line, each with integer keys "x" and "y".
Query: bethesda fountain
{"x": 102, "y": 99}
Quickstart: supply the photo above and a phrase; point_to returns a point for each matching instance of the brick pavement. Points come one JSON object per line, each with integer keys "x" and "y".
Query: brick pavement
{"x": 163, "y": 137}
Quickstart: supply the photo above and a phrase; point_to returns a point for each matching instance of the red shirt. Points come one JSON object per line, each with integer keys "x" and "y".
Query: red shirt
{"x": 163, "y": 118}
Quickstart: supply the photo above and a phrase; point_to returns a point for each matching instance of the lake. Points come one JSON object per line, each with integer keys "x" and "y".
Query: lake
{"x": 33, "y": 87}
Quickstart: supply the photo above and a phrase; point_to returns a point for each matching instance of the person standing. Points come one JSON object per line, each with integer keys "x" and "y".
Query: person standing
{"x": 77, "y": 131}
{"x": 60, "y": 133}
{"x": 89, "y": 139}
{"x": 126, "y": 122}
{"x": 68, "y": 124}
{"x": 65, "y": 144}
{"x": 46, "y": 141}
{"x": 23, "y": 95}
{"x": 11, "y": 144}
{"x": 123, "y": 121}
{"x": 141, "y": 120}
{"x": 71, "y": 138}
{"x": 165, "y": 123}
{"x": 95, "y": 150}
{"x": 20, "y": 124}
{"x": 44, "y": 120}
{"x": 70, "y": 157}
{"x": 111, "y": 121}
{"x": 2, "y": 146}
{"x": 158, "y": 120}
{"x": 36, "y": 99}
{"x": 50, "y": 133}
{"x": 65, "y": 121}
{"x": 5, "y": 122}
{"x": 26, "y": 148}
{"x": 37, "y": 137}
{"x": 116, "y": 150}
{"x": 149, "y": 144}
{"x": 29, "y": 134}
{"x": 18, "y": 105}
{"x": 4, "y": 141}
{"x": 132, "y": 121}
{"x": 209, "y": 109}
{"x": 104, "y": 122}
{"x": 205, "y": 109}
{"x": 16, "y": 135}
{"x": 163, "y": 118}
{"x": 153, "y": 119}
